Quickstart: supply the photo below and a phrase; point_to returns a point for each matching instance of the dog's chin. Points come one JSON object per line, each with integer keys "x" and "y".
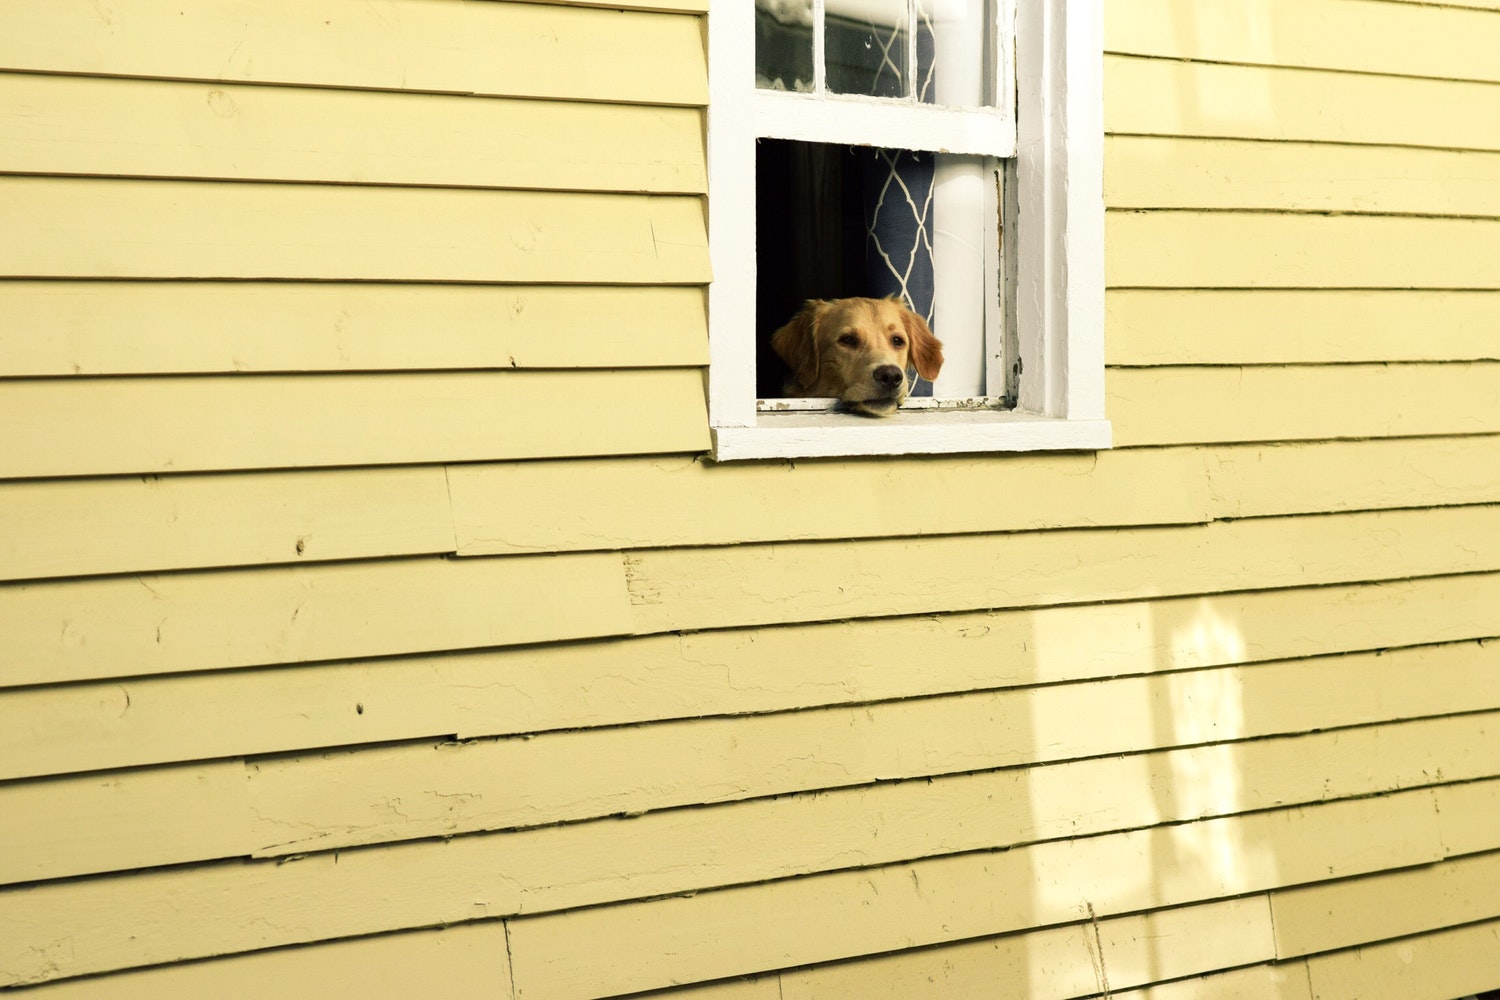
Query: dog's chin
{"x": 882, "y": 406}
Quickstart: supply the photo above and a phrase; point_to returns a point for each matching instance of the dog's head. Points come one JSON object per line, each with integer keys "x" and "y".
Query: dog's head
{"x": 857, "y": 350}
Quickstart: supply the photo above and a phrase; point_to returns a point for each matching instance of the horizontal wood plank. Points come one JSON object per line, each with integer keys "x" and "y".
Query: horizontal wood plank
{"x": 71, "y": 427}
{"x": 1169, "y": 406}
{"x": 142, "y": 128}
{"x": 1147, "y": 96}
{"x": 369, "y": 796}
{"x": 1318, "y": 918}
{"x": 1262, "y": 250}
{"x": 338, "y": 800}
{"x": 94, "y": 228}
{"x": 1259, "y": 480}
{"x": 1319, "y": 34}
{"x": 77, "y": 527}
{"x": 129, "y": 626}
{"x": 1151, "y": 326}
{"x": 538, "y": 506}
{"x": 1468, "y": 816}
{"x": 1439, "y": 966}
{"x": 447, "y": 46}
{"x": 1156, "y": 172}
{"x": 150, "y": 917}
{"x": 148, "y": 720}
{"x": 467, "y": 962}
{"x": 153, "y": 327}
{"x": 1070, "y": 961}
{"x": 811, "y": 581}
{"x": 1283, "y": 981}
{"x": 847, "y": 914}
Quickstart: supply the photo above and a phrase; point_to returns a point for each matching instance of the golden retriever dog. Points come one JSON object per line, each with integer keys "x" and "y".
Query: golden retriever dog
{"x": 857, "y": 350}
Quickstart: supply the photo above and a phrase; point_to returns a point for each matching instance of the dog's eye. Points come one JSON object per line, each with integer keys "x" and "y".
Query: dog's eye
{"x": 849, "y": 340}
{"x": 898, "y": 341}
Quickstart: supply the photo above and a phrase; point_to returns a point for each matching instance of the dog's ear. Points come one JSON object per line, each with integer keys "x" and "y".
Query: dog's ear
{"x": 926, "y": 351}
{"x": 797, "y": 343}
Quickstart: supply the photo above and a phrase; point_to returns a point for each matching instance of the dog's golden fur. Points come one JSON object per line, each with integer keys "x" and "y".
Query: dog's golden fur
{"x": 857, "y": 350}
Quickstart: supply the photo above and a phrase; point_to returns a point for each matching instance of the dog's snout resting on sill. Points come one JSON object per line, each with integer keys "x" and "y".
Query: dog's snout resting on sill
{"x": 857, "y": 350}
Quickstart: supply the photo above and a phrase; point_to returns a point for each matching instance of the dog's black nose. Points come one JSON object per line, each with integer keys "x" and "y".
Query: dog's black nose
{"x": 889, "y": 376}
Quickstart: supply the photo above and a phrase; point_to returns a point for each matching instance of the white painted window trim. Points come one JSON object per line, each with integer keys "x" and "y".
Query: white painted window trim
{"x": 1059, "y": 290}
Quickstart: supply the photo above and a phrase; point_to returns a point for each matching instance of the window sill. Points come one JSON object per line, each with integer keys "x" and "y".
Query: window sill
{"x": 828, "y": 435}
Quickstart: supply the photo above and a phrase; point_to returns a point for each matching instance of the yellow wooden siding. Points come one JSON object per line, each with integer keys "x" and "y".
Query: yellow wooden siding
{"x": 464, "y": 963}
{"x": 1086, "y": 725}
{"x": 149, "y": 720}
{"x": 1438, "y": 966}
{"x": 1320, "y": 918}
{"x": 84, "y": 228}
{"x": 151, "y": 327}
{"x": 1158, "y": 172}
{"x": 71, "y": 427}
{"x": 153, "y": 916}
{"x": 443, "y": 46}
{"x": 1191, "y": 249}
{"x": 128, "y": 626}
{"x": 766, "y": 584}
{"x": 335, "y": 801}
{"x": 1299, "y": 326}
{"x": 1320, "y": 34}
{"x": 145, "y": 128}
{"x": 1173, "y": 97}
{"x": 68, "y": 527}
{"x": 1171, "y": 405}
{"x": 606, "y": 950}
{"x": 538, "y": 506}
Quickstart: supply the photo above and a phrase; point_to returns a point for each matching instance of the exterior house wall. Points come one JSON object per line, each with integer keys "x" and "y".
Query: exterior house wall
{"x": 372, "y": 625}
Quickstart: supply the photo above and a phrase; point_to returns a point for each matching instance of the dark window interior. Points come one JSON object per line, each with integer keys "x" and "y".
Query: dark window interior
{"x": 810, "y": 238}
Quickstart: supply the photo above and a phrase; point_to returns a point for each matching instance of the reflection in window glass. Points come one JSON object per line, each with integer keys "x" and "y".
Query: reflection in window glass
{"x": 784, "y": 45}
{"x": 867, "y": 48}
{"x": 960, "y": 34}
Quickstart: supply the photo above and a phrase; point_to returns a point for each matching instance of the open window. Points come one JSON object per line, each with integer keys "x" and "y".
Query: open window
{"x": 947, "y": 152}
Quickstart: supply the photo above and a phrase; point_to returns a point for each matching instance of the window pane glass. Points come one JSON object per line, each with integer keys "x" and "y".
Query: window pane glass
{"x": 867, "y": 47}
{"x": 784, "y": 45}
{"x": 957, "y": 60}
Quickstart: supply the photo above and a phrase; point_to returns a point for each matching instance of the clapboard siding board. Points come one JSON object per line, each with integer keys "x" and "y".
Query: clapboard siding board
{"x": 1468, "y": 820}
{"x": 77, "y": 427}
{"x": 131, "y": 819}
{"x": 377, "y": 795}
{"x": 538, "y": 506}
{"x": 53, "y": 829}
{"x": 1439, "y": 966}
{"x": 1147, "y": 96}
{"x": 602, "y": 951}
{"x": 1156, "y": 172}
{"x": 1361, "y": 37}
{"x": 142, "y": 625}
{"x": 1192, "y": 405}
{"x": 132, "y": 626}
{"x": 85, "y": 727}
{"x": 444, "y": 46}
{"x": 1260, "y": 480}
{"x": 1192, "y": 249}
{"x": 98, "y": 228}
{"x": 141, "y": 128}
{"x": 1318, "y": 918}
{"x": 810, "y": 581}
{"x": 467, "y": 962}
{"x": 1302, "y": 326}
{"x": 76, "y": 927}
{"x": 154, "y": 327}
{"x": 1264, "y": 982}
{"x": 76, "y": 527}
{"x": 1070, "y": 961}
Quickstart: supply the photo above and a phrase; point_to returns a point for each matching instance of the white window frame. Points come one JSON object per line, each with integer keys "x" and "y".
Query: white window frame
{"x": 1058, "y": 291}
